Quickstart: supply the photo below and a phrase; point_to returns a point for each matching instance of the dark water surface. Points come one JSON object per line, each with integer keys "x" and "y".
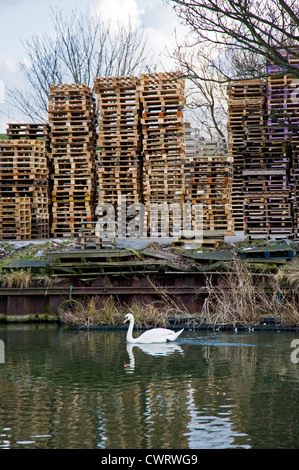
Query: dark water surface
{"x": 66, "y": 389}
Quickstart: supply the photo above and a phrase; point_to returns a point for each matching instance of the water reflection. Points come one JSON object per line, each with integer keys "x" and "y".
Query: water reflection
{"x": 211, "y": 432}
{"x": 69, "y": 389}
{"x": 154, "y": 349}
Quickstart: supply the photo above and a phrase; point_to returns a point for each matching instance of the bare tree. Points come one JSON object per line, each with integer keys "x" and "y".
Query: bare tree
{"x": 246, "y": 64}
{"x": 206, "y": 95}
{"x": 41, "y": 69}
{"x": 263, "y": 28}
{"x": 82, "y": 49}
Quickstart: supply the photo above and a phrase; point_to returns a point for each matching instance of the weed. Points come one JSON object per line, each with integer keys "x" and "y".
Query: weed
{"x": 147, "y": 315}
{"x": 93, "y": 311}
{"x": 20, "y": 279}
{"x": 241, "y": 299}
{"x": 99, "y": 311}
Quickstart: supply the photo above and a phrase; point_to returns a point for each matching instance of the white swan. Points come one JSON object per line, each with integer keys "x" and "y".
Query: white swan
{"x": 155, "y": 335}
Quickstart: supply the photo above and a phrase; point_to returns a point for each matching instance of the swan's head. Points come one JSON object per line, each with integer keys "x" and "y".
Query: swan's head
{"x": 128, "y": 317}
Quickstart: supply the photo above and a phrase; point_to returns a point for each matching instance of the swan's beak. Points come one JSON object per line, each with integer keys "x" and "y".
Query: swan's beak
{"x": 125, "y": 320}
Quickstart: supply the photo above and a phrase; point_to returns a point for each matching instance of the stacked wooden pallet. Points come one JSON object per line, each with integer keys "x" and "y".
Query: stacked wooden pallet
{"x": 282, "y": 106}
{"x": 261, "y": 179}
{"x": 268, "y": 216}
{"x": 162, "y": 101}
{"x": 29, "y": 131}
{"x": 15, "y": 218}
{"x": 246, "y": 129}
{"x": 211, "y": 174}
{"x": 72, "y": 120}
{"x": 283, "y": 123}
{"x": 24, "y": 189}
{"x": 119, "y": 162}
{"x": 192, "y": 149}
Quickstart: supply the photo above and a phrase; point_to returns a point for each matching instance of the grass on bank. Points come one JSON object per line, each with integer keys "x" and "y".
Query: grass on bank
{"x": 29, "y": 251}
{"x": 21, "y": 278}
{"x": 240, "y": 298}
{"x": 99, "y": 311}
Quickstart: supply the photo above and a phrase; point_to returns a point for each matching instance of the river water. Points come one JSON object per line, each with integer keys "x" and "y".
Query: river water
{"x": 74, "y": 389}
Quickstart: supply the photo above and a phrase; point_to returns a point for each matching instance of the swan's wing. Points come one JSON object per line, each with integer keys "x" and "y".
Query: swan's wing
{"x": 157, "y": 335}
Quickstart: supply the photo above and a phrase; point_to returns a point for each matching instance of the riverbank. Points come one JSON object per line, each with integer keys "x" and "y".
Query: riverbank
{"x": 237, "y": 285}
{"x": 267, "y": 324}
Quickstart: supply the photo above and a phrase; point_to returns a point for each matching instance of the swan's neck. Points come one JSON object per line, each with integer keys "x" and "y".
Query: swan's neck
{"x": 130, "y": 338}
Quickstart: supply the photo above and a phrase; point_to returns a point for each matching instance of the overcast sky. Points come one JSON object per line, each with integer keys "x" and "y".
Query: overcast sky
{"x": 20, "y": 19}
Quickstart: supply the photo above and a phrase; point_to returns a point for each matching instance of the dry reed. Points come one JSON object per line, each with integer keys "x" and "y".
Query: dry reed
{"x": 20, "y": 279}
{"x": 98, "y": 311}
{"x": 241, "y": 298}
{"x": 93, "y": 311}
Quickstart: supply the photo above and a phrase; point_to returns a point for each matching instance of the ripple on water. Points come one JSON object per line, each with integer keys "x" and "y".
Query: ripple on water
{"x": 214, "y": 432}
{"x": 25, "y": 442}
{"x": 34, "y": 440}
{"x": 4, "y": 438}
{"x": 215, "y": 341}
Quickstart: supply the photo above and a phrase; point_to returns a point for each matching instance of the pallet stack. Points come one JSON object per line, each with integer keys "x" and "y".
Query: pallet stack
{"x": 29, "y": 131}
{"x": 24, "y": 189}
{"x": 119, "y": 164}
{"x": 15, "y": 218}
{"x": 192, "y": 149}
{"x": 283, "y": 136}
{"x": 41, "y": 195}
{"x": 119, "y": 160}
{"x": 262, "y": 190}
{"x": 246, "y": 128}
{"x": 72, "y": 121}
{"x": 211, "y": 172}
{"x": 162, "y": 101}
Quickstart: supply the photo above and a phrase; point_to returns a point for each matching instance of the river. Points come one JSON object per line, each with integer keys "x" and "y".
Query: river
{"x": 72, "y": 389}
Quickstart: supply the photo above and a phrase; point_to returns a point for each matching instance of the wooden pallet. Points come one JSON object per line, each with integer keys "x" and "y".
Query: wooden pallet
{"x": 24, "y": 174}
{"x": 15, "y": 218}
{"x": 210, "y": 184}
{"x": 72, "y": 121}
{"x": 163, "y": 145}
{"x": 119, "y": 161}
{"x": 260, "y": 162}
{"x": 268, "y": 215}
{"x": 29, "y": 131}
{"x": 90, "y": 235}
